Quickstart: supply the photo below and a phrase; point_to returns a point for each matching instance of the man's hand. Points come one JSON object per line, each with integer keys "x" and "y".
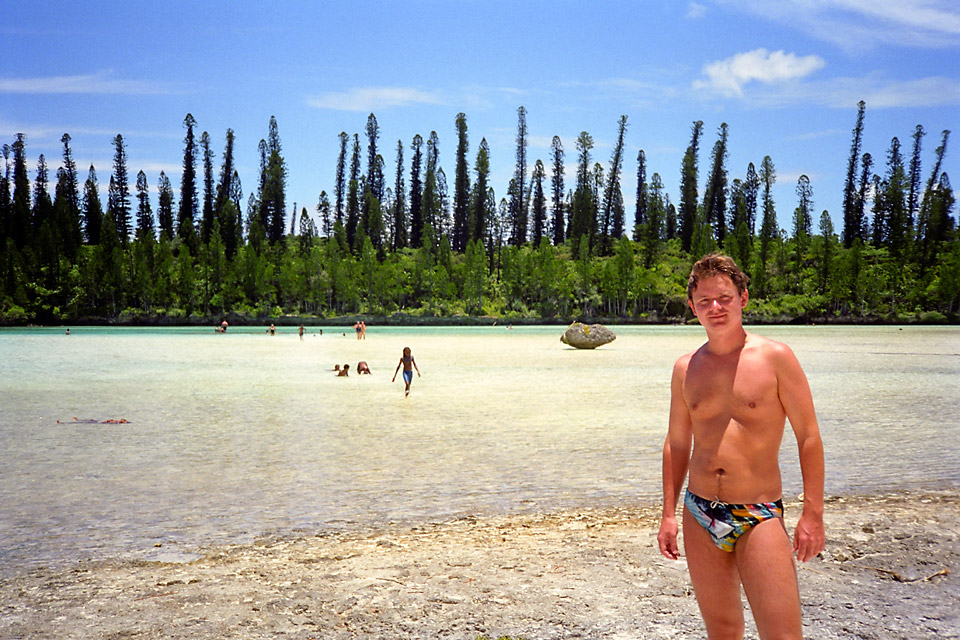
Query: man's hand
{"x": 809, "y": 538}
{"x": 667, "y": 538}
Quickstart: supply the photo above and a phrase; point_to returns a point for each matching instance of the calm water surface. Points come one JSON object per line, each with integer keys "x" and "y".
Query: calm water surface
{"x": 240, "y": 435}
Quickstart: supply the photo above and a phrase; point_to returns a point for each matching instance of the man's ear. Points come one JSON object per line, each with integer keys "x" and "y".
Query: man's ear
{"x": 690, "y": 304}
{"x": 744, "y": 297}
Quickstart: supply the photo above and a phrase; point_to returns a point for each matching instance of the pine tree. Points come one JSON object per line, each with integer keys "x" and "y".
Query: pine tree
{"x": 480, "y": 213}
{"x": 353, "y": 192}
{"x": 651, "y": 230}
{"x": 374, "y": 175}
{"x": 416, "y": 192}
{"x": 802, "y": 225}
{"x": 640, "y": 212}
{"x": 913, "y": 200}
{"x": 826, "y": 259}
{"x": 206, "y": 226}
{"x": 583, "y": 206}
{"x": 187, "y": 213}
{"x": 461, "y": 188}
{"x": 895, "y": 203}
{"x": 164, "y": 206}
{"x": 859, "y": 216}
{"x": 92, "y": 207}
{"x": 323, "y": 212}
{"x": 518, "y": 203}
{"x": 340, "y": 187}
{"x": 68, "y": 189}
{"x": 399, "y": 204}
{"x": 751, "y": 190}
{"x": 715, "y": 199}
{"x": 145, "y": 225}
{"x": 852, "y": 223}
{"x": 122, "y": 182}
{"x": 933, "y": 219}
{"x": 20, "y": 209}
{"x": 226, "y": 208}
{"x": 688, "y": 188}
{"x": 612, "y": 225}
{"x": 539, "y": 203}
{"x": 768, "y": 227}
{"x": 273, "y": 200}
{"x": 557, "y": 189}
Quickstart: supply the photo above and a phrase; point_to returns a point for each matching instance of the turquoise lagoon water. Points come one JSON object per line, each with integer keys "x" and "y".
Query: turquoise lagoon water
{"x": 240, "y": 435}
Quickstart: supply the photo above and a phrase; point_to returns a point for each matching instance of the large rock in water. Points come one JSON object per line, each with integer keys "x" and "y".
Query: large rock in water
{"x": 584, "y": 336}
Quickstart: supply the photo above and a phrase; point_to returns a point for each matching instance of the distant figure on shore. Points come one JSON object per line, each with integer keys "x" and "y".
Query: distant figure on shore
{"x": 408, "y": 364}
{"x": 363, "y": 367}
{"x": 729, "y": 402}
{"x": 273, "y": 329}
{"x": 300, "y": 331}
{"x": 68, "y": 331}
{"x": 223, "y": 326}
{"x": 358, "y": 328}
{"x": 345, "y": 372}
{"x": 363, "y": 330}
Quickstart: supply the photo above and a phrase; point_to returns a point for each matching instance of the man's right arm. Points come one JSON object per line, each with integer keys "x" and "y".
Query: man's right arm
{"x": 676, "y": 457}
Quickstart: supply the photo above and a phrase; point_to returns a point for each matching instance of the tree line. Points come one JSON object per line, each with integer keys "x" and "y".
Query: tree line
{"x": 409, "y": 244}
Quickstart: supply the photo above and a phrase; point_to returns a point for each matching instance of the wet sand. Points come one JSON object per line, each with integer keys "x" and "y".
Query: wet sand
{"x": 890, "y": 570}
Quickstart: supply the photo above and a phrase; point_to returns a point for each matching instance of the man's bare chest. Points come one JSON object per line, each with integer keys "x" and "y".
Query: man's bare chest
{"x": 738, "y": 390}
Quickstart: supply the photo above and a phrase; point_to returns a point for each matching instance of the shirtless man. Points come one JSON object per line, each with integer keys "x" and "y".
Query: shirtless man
{"x": 730, "y": 400}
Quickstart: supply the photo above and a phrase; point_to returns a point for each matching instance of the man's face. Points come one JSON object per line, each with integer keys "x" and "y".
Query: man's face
{"x": 716, "y": 301}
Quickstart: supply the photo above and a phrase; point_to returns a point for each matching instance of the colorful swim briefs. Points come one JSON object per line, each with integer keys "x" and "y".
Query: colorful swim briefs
{"x": 727, "y": 522}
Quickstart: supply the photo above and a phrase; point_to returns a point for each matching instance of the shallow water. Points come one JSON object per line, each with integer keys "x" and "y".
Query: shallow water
{"x": 239, "y": 435}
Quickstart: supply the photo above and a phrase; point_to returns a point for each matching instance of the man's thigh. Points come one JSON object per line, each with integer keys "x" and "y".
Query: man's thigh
{"x": 764, "y": 559}
{"x": 715, "y": 578}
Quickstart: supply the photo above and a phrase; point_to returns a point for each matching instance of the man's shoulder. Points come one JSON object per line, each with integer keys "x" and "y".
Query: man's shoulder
{"x": 772, "y": 351}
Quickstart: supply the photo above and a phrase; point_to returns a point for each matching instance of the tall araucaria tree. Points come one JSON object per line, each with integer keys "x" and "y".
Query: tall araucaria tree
{"x": 852, "y": 222}
{"x": 122, "y": 183}
{"x": 557, "y": 191}
{"x": 518, "y": 202}
{"x": 613, "y": 214}
{"x": 715, "y": 199}
{"x": 416, "y": 191}
{"x": 640, "y": 212}
{"x": 688, "y": 188}
{"x": 461, "y": 187}
{"x": 399, "y": 204}
{"x": 187, "y": 213}
{"x": 207, "y": 216}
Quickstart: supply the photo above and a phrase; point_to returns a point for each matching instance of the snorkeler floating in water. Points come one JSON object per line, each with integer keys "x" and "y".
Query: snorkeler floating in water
{"x": 108, "y": 421}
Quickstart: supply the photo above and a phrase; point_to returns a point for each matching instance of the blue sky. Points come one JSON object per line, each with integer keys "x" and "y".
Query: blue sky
{"x": 785, "y": 76}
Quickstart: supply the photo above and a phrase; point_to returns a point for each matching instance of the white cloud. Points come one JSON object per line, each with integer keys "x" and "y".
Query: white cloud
{"x": 97, "y": 83}
{"x": 696, "y": 10}
{"x": 858, "y": 24}
{"x": 368, "y": 99}
{"x": 730, "y": 75}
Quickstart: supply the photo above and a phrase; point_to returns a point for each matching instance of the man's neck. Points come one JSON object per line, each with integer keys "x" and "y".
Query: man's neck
{"x": 724, "y": 342}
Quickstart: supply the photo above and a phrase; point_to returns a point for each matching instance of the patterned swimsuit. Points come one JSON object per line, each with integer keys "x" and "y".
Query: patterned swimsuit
{"x": 727, "y": 522}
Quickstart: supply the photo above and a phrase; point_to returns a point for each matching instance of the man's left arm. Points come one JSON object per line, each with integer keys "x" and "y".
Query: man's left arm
{"x": 809, "y": 538}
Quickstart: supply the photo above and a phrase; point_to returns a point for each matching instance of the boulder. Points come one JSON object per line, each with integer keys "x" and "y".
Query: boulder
{"x": 584, "y": 336}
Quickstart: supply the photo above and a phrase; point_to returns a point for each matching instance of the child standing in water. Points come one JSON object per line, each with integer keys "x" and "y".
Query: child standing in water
{"x": 408, "y": 364}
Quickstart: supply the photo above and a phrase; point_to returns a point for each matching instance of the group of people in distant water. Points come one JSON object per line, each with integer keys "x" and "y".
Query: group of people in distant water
{"x": 343, "y": 372}
{"x": 407, "y": 362}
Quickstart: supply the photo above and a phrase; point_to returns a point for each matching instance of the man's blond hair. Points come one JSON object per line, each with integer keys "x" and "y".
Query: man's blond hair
{"x": 716, "y": 264}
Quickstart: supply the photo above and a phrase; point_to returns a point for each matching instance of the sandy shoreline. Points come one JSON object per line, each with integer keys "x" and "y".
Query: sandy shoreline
{"x": 890, "y": 571}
